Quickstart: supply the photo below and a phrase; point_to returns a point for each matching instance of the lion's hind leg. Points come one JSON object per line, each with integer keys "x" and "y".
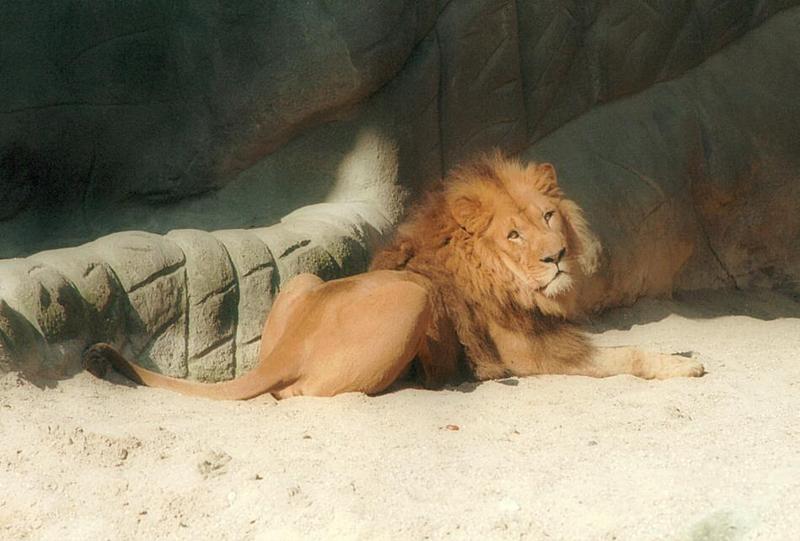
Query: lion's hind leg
{"x": 399, "y": 334}
{"x": 367, "y": 331}
{"x": 289, "y": 297}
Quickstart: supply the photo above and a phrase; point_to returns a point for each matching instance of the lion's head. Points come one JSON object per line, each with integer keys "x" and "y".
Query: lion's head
{"x": 504, "y": 231}
{"x": 522, "y": 229}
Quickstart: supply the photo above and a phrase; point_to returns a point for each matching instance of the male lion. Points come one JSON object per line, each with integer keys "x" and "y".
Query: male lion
{"x": 479, "y": 281}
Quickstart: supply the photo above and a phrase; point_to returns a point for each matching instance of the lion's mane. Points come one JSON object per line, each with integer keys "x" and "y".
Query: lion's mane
{"x": 473, "y": 288}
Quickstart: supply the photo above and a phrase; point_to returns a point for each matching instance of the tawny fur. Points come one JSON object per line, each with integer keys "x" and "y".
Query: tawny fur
{"x": 496, "y": 292}
{"x": 480, "y": 281}
{"x": 456, "y": 238}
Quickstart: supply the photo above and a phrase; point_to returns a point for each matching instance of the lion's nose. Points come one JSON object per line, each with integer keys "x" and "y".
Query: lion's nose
{"x": 554, "y": 258}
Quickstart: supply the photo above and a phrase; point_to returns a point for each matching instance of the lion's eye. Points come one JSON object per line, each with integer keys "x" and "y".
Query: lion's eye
{"x": 513, "y": 234}
{"x": 548, "y": 216}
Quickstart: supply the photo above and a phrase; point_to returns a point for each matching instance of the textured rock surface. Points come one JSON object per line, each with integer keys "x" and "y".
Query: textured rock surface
{"x": 189, "y": 304}
{"x": 672, "y": 123}
{"x": 166, "y": 115}
{"x": 691, "y": 183}
{"x": 256, "y": 281}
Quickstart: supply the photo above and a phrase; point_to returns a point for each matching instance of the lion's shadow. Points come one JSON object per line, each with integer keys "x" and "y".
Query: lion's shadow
{"x": 761, "y": 304}
{"x": 470, "y": 386}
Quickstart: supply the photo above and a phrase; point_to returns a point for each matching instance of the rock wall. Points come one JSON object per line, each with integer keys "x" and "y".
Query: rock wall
{"x": 256, "y": 141}
{"x": 695, "y": 182}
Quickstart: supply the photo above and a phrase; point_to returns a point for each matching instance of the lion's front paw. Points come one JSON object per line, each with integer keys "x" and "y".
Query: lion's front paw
{"x": 680, "y": 366}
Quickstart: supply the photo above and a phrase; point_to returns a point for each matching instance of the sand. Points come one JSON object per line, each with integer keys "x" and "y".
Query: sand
{"x": 550, "y": 457}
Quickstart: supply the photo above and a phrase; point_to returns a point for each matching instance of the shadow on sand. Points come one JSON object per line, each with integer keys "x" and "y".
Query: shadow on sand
{"x": 762, "y": 304}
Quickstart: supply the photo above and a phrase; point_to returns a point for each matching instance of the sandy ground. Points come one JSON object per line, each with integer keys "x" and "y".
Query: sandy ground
{"x": 553, "y": 457}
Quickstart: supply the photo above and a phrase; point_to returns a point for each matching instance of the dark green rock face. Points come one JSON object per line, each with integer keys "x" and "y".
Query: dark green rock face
{"x": 138, "y": 104}
{"x": 121, "y": 115}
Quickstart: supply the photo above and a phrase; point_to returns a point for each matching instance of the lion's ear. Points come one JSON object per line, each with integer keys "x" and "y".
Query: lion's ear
{"x": 545, "y": 178}
{"x": 548, "y": 173}
{"x": 470, "y": 214}
{"x": 582, "y": 240}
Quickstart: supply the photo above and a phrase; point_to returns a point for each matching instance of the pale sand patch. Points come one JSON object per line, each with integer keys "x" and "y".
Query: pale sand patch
{"x": 539, "y": 458}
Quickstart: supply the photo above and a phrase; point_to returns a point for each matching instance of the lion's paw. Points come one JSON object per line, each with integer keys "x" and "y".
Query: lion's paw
{"x": 680, "y": 365}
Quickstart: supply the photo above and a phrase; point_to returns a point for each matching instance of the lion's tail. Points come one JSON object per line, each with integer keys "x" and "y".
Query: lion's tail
{"x": 97, "y": 359}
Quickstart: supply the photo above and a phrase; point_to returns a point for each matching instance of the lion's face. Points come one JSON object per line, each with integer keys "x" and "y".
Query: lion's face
{"x": 532, "y": 243}
{"x": 526, "y": 233}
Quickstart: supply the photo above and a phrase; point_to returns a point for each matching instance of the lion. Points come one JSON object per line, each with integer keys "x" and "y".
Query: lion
{"x": 481, "y": 281}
